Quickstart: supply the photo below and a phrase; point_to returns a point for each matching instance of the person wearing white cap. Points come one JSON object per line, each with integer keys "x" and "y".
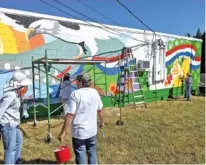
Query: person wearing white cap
{"x": 10, "y": 103}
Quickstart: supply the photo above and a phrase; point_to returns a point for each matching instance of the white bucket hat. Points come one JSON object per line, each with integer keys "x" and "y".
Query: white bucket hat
{"x": 20, "y": 79}
{"x": 17, "y": 81}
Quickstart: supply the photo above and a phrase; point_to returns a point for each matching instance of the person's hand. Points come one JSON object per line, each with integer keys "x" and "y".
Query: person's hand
{"x": 101, "y": 125}
{"x": 61, "y": 136}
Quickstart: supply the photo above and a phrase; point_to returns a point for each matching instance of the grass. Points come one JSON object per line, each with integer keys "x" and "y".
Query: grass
{"x": 167, "y": 132}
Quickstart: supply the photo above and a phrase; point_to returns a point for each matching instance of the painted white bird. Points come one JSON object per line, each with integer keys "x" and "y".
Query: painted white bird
{"x": 77, "y": 33}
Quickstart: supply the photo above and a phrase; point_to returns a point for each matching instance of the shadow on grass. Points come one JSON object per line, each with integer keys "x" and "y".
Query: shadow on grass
{"x": 36, "y": 161}
{"x": 39, "y": 161}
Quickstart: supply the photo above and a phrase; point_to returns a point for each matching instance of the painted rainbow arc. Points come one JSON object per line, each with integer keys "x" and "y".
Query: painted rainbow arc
{"x": 187, "y": 50}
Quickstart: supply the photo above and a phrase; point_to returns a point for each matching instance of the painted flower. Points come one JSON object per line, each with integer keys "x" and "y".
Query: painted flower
{"x": 113, "y": 88}
{"x": 168, "y": 80}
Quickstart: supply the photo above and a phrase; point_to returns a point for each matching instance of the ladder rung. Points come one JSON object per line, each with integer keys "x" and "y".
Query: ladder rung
{"x": 139, "y": 96}
{"x": 133, "y": 77}
{"x": 99, "y": 73}
{"x": 137, "y": 90}
{"x": 142, "y": 102}
{"x": 135, "y": 83}
{"x": 133, "y": 71}
{"x": 121, "y": 92}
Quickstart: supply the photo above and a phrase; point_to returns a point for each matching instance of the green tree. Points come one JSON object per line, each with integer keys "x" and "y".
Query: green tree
{"x": 198, "y": 34}
{"x": 188, "y": 35}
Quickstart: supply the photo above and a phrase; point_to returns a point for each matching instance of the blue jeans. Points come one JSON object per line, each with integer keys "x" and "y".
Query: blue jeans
{"x": 81, "y": 147}
{"x": 12, "y": 140}
{"x": 188, "y": 92}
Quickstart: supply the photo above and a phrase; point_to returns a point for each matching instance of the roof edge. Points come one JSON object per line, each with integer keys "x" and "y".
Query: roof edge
{"x": 121, "y": 28}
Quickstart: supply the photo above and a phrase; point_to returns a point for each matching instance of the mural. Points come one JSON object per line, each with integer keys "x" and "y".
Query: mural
{"x": 181, "y": 59}
{"x": 24, "y": 36}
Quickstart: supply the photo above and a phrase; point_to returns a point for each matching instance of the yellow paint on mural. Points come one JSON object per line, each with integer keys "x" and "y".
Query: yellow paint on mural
{"x": 186, "y": 66}
{"x": 179, "y": 72}
{"x": 176, "y": 69}
{"x": 176, "y": 72}
{"x": 177, "y": 82}
{"x": 8, "y": 39}
{"x": 1, "y": 47}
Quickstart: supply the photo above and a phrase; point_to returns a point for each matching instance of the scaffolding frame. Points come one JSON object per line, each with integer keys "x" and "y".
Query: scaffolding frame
{"x": 47, "y": 64}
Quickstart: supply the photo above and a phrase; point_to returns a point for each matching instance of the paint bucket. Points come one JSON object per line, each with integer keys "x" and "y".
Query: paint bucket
{"x": 62, "y": 154}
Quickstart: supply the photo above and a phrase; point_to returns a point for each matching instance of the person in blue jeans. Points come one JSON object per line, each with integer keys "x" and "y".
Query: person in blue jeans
{"x": 83, "y": 109}
{"x": 10, "y": 103}
{"x": 188, "y": 85}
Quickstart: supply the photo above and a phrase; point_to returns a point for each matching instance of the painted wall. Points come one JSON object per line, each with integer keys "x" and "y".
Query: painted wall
{"x": 24, "y": 36}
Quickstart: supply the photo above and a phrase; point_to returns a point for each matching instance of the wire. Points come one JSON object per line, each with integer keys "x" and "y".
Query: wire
{"x": 98, "y": 13}
{"x": 117, "y": 31}
{"x": 135, "y": 16}
{"x": 62, "y": 4}
{"x": 87, "y": 21}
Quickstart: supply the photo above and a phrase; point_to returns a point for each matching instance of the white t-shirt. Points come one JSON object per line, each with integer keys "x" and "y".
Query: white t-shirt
{"x": 65, "y": 89}
{"x": 84, "y": 104}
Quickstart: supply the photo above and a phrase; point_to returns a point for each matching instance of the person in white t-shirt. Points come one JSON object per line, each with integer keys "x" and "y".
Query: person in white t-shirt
{"x": 65, "y": 90}
{"x": 82, "y": 109}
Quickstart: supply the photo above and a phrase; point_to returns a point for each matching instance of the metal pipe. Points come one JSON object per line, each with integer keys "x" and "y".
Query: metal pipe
{"x": 47, "y": 88}
{"x": 34, "y": 95}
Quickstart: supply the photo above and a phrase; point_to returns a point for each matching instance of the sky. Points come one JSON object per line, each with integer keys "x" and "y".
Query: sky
{"x": 167, "y": 16}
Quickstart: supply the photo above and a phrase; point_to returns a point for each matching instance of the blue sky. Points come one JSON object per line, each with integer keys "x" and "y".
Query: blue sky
{"x": 167, "y": 16}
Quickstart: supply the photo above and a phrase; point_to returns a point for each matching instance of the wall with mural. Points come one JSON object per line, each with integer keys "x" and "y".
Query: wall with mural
{"x": 24, "y": 34}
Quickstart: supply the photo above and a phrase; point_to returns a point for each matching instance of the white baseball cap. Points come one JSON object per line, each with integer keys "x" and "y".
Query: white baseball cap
{"x": 20, "y": 79}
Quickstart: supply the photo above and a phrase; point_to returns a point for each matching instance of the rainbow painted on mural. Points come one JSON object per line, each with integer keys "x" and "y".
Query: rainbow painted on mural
{"x": 184, "y": 50}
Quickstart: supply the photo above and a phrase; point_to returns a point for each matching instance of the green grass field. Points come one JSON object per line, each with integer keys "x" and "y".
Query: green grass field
{"x": 167, "y": 132}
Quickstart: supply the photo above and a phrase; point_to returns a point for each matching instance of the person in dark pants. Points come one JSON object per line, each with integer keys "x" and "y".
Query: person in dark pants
{"x": 83, "y": 108}
{"x": 10, "y": 103}
{"x": 188, "y": 85}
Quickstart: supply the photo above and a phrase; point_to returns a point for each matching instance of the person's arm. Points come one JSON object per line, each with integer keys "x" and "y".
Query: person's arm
{"x": 66, "y": 126}
{"x": 100, "y": 112}
{"x": 101, "y": 119}
{"x": 5, "y": 103}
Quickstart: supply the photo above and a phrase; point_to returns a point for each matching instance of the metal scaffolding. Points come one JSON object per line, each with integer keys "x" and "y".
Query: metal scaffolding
{"x": 43, "y": 65}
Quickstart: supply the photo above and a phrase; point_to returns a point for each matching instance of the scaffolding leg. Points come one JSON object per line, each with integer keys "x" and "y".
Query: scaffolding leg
{"x": 35, "y": 121}
{"x": 120, "y": 122}
{"x": 34, "y": 106}
{"x": 49, "y": 136}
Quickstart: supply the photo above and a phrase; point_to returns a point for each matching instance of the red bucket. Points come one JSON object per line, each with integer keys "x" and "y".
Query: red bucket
{"x": 62, "y": 154}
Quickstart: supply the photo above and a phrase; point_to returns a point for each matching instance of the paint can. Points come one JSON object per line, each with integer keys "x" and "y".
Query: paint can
{"x": 62, "y": 154}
